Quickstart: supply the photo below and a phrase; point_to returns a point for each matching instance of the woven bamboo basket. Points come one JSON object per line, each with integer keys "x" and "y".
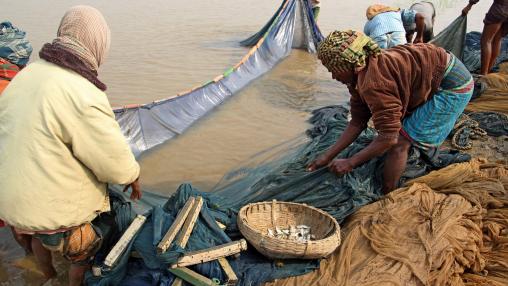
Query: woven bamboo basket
{"x": 254, "y": 220}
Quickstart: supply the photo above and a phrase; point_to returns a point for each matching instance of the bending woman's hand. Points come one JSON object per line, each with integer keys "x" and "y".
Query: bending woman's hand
{"x": 321, "y": 161}
{"x": 136, "y": 190}
{"x": 341, "y": 166}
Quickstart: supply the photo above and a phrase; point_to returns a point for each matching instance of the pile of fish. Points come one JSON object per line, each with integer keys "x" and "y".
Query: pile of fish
{"x": 299, "y": 233}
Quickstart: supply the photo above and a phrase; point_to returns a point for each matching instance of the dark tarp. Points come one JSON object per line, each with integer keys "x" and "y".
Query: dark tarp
{"x": 452, "y": 37}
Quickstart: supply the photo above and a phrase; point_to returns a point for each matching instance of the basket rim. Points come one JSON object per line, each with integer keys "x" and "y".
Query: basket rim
{"x": 335, "y": 235}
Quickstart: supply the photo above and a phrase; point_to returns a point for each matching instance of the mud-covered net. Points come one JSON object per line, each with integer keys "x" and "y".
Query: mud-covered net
{"x": 278, "y": 173}
{"x": 478, "y": 125}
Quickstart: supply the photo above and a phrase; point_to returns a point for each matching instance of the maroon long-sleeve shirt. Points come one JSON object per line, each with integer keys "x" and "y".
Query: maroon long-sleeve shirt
{"x": 395, "y": 83}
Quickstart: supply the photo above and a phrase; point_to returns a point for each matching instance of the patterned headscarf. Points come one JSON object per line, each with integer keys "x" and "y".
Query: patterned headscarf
{"x": 346, "y": 50}
{"x": 14, "y": 46}
{"x": 84, "y": 31}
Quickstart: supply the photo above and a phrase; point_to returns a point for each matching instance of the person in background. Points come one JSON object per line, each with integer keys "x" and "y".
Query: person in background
{"x": 15, "y": 50}
{"x": 315, "y": 9}
{"x": 60, "y": 146}
{"x": 427, "y": 11}
{"x": 413, "y": 93}
{"x": 386, "y": 24}
{"x": 494, "y": 29}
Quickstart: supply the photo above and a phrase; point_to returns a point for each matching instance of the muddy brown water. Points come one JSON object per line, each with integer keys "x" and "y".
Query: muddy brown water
{"x": 160, "y": 48}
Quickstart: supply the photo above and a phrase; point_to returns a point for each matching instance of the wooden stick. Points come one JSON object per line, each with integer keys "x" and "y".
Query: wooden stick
{"x": 205, "y": 255}
{"x": 221, "y": 226}
{"x": 231, "y": 277}
{"x": 176, "y": 226}
{"x": 124, "y": 241}
{"x": 183, "y": 236}
{"x": 192, "y": 277}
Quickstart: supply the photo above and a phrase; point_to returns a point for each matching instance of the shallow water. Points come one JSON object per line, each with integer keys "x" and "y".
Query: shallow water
{"x": 160, "y": 48}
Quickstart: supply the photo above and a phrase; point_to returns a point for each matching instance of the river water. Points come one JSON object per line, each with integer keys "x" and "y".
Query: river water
{"x": 160, "y": 48}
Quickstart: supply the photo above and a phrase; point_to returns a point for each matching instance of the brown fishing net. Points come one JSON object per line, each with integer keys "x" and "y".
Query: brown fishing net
{"x": 449, "y": 227}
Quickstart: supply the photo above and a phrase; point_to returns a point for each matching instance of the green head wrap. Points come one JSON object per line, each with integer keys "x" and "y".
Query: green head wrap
{"x": 346, "y": 50}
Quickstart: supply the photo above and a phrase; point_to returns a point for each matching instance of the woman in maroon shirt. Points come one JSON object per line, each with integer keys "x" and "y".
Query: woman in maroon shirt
{"x": 413, "y": 94}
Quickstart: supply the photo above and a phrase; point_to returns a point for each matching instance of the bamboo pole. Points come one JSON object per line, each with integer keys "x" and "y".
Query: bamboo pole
{"x": 209, "y": 254}
{"x": 183, "y": 236}
{"x": 230, "y": 273}
{"x": 186, "y": 231}
{"x": 176, "y": 226}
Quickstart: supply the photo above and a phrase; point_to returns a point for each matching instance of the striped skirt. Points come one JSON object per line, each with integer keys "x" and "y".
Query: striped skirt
{"x": 429, "y": 125}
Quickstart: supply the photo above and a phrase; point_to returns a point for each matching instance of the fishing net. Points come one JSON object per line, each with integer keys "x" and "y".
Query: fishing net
{"x": 278, "y": 173}
{"x": 452, "y": 37}
{"x": 446, "y": 228}
{"x": 148, "y": 125}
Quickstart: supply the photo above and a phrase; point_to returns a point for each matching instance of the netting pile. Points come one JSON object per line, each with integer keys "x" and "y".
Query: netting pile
{"x": 279, "y": 173}
{"x": 446, "y": 228}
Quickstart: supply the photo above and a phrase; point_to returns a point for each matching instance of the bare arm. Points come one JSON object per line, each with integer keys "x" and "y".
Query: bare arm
{"x": 350, "y": 134}
{"x": 375, "y": 148}
{"x": 409, "y": 37}
{"x": 466, "y": 9}
{"x": 420, "y": 27}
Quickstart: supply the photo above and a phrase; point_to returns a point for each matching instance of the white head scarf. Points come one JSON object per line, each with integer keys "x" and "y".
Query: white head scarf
{"x": 84, "y": 31}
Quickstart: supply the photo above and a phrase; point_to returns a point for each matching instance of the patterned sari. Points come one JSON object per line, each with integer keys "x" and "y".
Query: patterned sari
{"x": 430, "y": 124}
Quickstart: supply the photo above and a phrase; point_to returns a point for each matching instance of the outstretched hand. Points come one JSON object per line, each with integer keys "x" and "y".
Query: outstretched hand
{"x": 136, "y": 190}
{"x": 341, "y": 166}
{"x": 321, "y": 161}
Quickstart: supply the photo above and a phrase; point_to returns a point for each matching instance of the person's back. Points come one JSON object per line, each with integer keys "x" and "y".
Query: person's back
{"x": 400, "y": 79}
{"x": 385, "y": 27}
{"x": 49, "y": 117}
{"x": 383, "y": 23}
{"x": 60, "y": 145}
